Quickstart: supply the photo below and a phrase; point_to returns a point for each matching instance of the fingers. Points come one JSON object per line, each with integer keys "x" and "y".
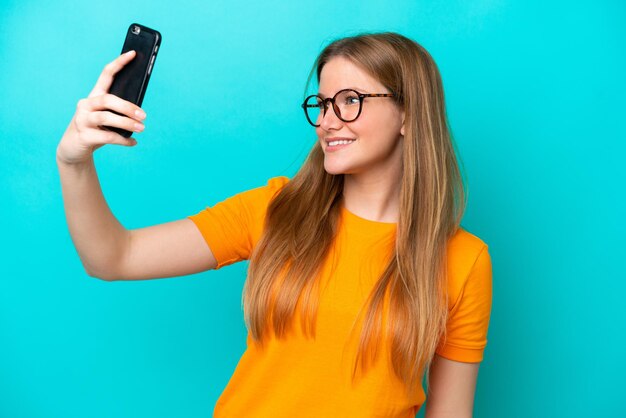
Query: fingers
{"x": 114, "y": 103}
{"x": 95, "y": 119}
{"x": 86, "y": 120}
{"x": 106, "y": 77}
{"x": 85, "y": 134}
{"x": 100, "y": 138}
{"x": 101, "y": 109}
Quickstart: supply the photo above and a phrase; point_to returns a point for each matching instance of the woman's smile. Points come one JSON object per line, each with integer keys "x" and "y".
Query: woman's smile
{"x": 337, "y": 143}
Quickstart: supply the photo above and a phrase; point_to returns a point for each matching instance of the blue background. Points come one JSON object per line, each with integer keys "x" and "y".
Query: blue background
{"x": 535, "y": 96}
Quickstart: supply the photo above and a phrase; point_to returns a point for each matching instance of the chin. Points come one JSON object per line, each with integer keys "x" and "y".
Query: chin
{"x": 336, "y": 169}
{"x": 333, "y": 171}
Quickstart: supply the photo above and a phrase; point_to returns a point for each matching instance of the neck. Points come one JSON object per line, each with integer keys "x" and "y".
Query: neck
{"x": 373, "y": 196}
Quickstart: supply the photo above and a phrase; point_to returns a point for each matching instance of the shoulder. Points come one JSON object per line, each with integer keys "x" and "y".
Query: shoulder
{"x": 267, "y": 192}
{"x": 467, "y": 253}
{"x": 275, "y": 184}
{"x": 464, "y": 247}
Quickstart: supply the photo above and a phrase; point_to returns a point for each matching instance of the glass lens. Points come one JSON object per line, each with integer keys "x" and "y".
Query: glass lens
{"x": 348, "y": 103}
{"x": 313, "y": 107}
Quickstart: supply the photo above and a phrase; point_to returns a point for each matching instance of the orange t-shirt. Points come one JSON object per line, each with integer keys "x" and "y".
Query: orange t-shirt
{"x": 305, "y": 377}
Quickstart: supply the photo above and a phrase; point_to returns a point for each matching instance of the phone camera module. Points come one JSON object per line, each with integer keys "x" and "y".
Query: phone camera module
{"x": 136, "y": 30}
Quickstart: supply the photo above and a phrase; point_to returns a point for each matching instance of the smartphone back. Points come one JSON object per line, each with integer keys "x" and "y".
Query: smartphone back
{"x": 131, "y": 82}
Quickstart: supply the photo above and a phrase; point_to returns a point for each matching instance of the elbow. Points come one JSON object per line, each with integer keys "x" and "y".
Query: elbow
{"x": 102, "y": 276}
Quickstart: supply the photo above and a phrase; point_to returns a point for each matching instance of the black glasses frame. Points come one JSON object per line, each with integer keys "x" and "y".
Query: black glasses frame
{"x": 324, "y": 102}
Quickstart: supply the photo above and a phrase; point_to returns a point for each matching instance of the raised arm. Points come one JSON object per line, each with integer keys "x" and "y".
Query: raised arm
{"x": 167, "y": 250}
{"x": 107, "y": 249}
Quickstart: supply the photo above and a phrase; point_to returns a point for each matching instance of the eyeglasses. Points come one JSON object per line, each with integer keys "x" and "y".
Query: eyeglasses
{"x": 347, "y": 105}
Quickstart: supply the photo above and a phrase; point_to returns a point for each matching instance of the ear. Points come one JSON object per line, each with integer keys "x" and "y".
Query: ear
{"x": 402, "y": 127}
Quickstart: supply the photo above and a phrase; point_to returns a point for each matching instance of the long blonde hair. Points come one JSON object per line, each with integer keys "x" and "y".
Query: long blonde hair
{"x": 302, "y": 220}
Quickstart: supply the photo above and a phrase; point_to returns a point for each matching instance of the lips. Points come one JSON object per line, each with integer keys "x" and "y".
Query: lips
{"x": 338, "y": 138}
{"x": 335, "y": 144}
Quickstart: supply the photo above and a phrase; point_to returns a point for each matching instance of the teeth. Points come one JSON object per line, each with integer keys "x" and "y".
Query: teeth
{"x": 342, "y": 142}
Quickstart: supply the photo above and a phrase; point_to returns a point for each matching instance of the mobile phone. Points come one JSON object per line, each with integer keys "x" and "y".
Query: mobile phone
{"x": 131, "y": 82}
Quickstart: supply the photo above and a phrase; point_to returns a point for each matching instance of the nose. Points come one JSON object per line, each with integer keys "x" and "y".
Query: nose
{"x": 330, "y": 120}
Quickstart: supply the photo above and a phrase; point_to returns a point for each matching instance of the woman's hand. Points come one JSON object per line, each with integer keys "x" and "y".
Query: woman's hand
{"x": 84, "y": 134}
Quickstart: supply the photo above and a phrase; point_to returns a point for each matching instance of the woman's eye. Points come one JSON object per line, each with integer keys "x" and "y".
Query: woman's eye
{"x": 352, "y": 100}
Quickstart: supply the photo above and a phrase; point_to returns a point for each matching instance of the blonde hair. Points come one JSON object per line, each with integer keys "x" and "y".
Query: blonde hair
{"x": 302, "y": 220}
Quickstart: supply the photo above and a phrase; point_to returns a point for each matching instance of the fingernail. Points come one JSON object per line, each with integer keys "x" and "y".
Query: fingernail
{"x": 129, "y": 52}
{"x": 140, "y": 114}
{"x": 138, "y": 127}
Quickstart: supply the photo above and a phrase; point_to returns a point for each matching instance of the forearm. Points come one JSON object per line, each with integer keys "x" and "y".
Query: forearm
{"x": 98, "y": 236}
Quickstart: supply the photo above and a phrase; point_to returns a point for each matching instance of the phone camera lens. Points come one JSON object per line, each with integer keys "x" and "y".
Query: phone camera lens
{"x": 136, "y": 30}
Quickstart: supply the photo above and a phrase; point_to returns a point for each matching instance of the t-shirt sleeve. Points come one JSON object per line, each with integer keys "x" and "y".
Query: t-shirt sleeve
{"x": 468, "y": 320}
{"x": 232, "y": 227}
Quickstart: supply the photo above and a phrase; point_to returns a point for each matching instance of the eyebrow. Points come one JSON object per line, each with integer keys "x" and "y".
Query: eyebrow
{"x": 358, "y": 89}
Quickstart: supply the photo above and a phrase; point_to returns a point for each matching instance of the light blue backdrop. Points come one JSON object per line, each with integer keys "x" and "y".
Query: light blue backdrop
{"x": 535, "y": 94}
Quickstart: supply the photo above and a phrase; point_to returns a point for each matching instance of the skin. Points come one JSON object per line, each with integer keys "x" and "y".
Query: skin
{"x": 372, "y": 168}
{"x": 373, "y": 163}
{"x": 110, "y": 252}
{"x": 452, "y": 388}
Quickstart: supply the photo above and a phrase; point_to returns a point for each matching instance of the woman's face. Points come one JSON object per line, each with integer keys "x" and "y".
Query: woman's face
{"x": 376, "y": 133}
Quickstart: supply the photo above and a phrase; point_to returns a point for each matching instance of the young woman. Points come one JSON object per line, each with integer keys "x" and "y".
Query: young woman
{"x": 361, "y": 280}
